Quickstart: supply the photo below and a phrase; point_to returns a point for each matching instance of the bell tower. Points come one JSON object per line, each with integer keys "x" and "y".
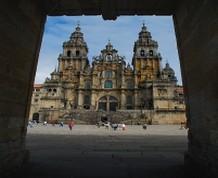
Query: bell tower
{"x": 146, "y": 59}
{"x": 75, "y": 52}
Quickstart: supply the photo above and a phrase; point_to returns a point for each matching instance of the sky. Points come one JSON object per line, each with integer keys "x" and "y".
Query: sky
{"x": 122, "y": 34}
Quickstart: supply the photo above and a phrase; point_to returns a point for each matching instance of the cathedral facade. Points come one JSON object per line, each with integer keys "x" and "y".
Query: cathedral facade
{"x": 107, "y": 84}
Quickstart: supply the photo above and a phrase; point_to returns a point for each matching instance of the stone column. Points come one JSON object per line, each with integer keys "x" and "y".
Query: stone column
{"x": 196, "y": 24}
{"x": 136, "y": 104}
{"x": 93, "y": 99}
{"x": 122, "y": 80}
{"x": 136, "y": 80}
{"x": 123, "y": 100}
{"x": 64, "y": 63}
{"x": 80, "y": 99}
{"x": 21, "y": 32}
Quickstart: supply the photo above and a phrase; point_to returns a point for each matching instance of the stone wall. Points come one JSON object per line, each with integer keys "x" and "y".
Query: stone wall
{"x": 169, "y": 117}
{"x": 129, "y": 117}
{"x": 196, "y": 25}
{"x": 20, "y": 35}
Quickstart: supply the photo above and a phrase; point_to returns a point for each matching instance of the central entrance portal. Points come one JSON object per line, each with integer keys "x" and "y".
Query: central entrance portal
{"x": 108, "y": 103}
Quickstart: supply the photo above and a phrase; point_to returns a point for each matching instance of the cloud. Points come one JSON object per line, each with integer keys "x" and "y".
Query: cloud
{"x": 122, "y": 34}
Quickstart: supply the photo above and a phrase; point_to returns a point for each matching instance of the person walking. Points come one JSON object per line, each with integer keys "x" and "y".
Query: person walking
{"x": 71, "y": 125}
{"x": 123, "y": 127}
{"x": 44, "y": 123}
{"x": 61, "y": 124}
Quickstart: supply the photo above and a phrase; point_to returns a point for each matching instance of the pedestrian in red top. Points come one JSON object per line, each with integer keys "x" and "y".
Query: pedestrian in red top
{"x": 71, "y": 125}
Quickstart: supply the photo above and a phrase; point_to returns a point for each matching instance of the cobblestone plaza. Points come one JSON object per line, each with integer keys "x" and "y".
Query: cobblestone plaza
{"x": 91, "y": 152}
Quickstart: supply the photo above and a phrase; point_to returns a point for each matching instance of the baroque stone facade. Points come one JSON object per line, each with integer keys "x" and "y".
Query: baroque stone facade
{"x": 109, "y": 86}
{"x": 22, "y": 27}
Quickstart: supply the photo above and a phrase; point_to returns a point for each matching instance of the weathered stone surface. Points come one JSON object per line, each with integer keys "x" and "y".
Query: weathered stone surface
{"x": 196, "y": 25}
{"x": 197, "y": 31}
{"x": 20, "y": 35}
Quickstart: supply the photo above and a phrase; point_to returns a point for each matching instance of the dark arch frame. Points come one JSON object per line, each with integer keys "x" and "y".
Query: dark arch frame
{"x": 22, "y": 25}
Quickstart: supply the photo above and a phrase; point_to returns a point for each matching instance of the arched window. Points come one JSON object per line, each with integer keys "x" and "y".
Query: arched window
{"x": 68, "y": 53}
{"x": 87, "y": 102}
{"x": 103, "y": 98}
{"x": 142, "y": 53}
{"x": 108, "y": 84}
{"x": 87, "y": 99}
{"x": 77, "y": 53}
{"x": 87, "y": 85}
{"x": 112, "y": 98}
{"x": 129, "y": 100}
{"x": 108, "y": 74}
{"x": 129, "y": 85}
{"x": 151, "y": 53}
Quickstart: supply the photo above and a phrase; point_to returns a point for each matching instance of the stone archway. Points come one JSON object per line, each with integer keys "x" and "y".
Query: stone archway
{"x": 22, "y": 25}
{"x": 108, "y": 103}
{"x": 35, "y": 117}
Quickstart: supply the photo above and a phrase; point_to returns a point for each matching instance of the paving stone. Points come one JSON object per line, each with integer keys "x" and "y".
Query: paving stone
{"x": 91, "y": 152}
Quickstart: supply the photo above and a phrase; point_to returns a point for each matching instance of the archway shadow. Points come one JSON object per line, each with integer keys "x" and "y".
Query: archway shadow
{"x": 103, "y": 153}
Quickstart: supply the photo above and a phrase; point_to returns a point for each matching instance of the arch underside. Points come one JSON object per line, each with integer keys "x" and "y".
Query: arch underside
{"x": 22, "y": 26}
{"x": 109, "y": 10}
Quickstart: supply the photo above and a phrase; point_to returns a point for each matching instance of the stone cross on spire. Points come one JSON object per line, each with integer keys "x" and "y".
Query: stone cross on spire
{"x": 143, "y": 23}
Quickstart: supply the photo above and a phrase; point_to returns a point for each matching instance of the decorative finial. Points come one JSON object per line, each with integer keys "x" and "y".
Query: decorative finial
{"x": 167, "y": 64}
{"x": 109, "y": 41}
{"x": 78, "y": 23}
{"x": 143, "y": 23}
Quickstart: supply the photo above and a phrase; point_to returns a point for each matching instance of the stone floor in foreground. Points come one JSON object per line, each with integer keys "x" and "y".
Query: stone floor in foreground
{"x": 91, "y": 152}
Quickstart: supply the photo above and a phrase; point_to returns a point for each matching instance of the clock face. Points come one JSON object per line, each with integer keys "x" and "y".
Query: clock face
{"x": 109, "y": 57}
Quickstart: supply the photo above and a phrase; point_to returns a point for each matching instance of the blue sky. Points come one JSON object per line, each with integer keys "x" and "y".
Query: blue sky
{"x": 122, "y": 34}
